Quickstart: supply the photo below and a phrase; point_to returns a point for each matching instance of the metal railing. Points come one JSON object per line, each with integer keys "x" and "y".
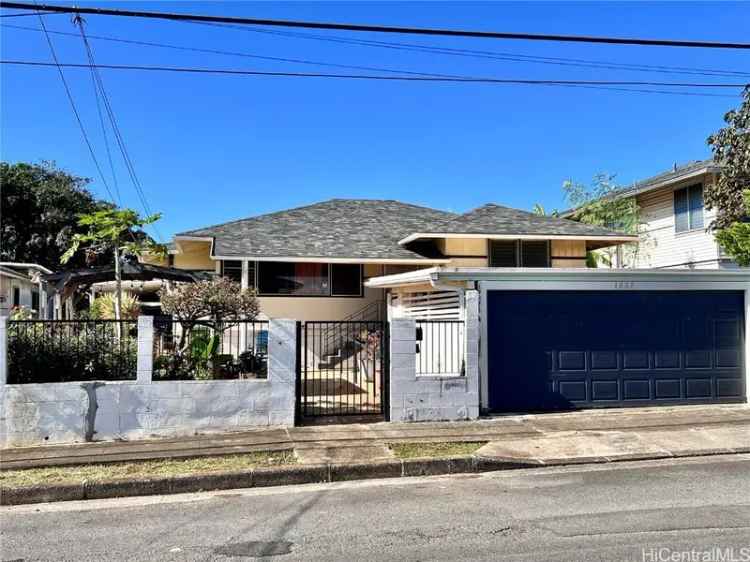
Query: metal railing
{"x": 42, "y": 351}
{"x": 201, "y": 350}
{"x": 440, "y": 347}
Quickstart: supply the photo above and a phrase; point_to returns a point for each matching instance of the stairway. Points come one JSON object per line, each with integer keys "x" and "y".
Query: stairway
{"x": 343, "y": 339}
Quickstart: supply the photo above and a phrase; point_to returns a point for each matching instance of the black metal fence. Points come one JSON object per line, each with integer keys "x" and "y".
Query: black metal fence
{"x": 440, "y": 347}
{"x": 342, "y": 366}
{"x": 201, "y": 350}
{"x": 42, "y": 351}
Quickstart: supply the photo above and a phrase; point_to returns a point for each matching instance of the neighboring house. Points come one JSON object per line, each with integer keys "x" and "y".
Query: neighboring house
{"x": 311, "y": 263}
{"x": 21, "y": 286}
{"x": 674, "y": 221}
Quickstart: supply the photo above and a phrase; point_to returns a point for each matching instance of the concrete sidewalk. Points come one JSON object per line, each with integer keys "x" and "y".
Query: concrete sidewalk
{"x": 616, "y": 434}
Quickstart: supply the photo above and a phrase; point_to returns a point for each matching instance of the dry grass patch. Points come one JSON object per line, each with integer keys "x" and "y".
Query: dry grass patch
{"x": 143, "y": 469}
{"x": 440, "y": 449}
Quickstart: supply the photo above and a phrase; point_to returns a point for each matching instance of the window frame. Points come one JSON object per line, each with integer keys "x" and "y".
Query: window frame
{"x": 361, "y": 292}
{"x": 688, "y": 189}
{"x": 232, "y": 268}
{"x": 329, "y": 294}
{"x": 518, "y": 248}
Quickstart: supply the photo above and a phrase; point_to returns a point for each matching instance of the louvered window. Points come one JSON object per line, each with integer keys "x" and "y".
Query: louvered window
{"x": 534, "y": 253}
{"x": 519, "y": 253}
{"x": 503, "y": 253}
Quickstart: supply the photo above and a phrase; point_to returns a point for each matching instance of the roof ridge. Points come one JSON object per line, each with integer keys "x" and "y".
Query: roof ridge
{"x": 310, "y": 205}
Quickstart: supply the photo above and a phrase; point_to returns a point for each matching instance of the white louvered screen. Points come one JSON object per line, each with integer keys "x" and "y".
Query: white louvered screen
{"x": 439, "y": 305}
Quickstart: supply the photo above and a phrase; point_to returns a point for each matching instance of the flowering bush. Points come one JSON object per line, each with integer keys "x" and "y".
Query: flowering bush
{"x": 21, "y": 313}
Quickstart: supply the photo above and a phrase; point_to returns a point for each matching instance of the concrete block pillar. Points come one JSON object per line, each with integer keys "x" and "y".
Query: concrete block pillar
{"x": 3, "y": 350}
{"x": 472, "y": 333}
{"x": 145, "y": 366}
{"x": 403, "y": 363}
{"x": 282, "y": 370}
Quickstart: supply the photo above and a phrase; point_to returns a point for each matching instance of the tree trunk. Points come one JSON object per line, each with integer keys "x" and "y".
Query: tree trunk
{"x": 118, "y": 292}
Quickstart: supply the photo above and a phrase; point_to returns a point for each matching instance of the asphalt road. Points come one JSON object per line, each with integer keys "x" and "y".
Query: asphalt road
{"x": 604, "y": 512}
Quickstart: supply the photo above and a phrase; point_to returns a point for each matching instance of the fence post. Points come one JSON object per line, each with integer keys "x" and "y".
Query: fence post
{"x": 402, "y": 381}
{"x": 145, "y": 349}
{"x": 282, "y": 370}
{"x": 471, "y": 350}
{"x": 3, "y": 349}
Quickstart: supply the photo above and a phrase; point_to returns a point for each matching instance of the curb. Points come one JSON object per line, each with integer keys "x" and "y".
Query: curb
{"x": 301, "y": 474}
{"x": 255, "y": 478}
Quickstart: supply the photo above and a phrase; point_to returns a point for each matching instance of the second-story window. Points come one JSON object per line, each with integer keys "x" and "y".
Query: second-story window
{"x": 688, "y": 208}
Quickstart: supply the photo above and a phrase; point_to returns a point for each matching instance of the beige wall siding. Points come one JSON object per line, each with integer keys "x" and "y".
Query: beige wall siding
{"x": 317, "y": 308}
{"x": 562, "y": 252}
{"x": 661, "y": 246}
{"x": 463, "y": 246}
{"x": 194, "y": 255}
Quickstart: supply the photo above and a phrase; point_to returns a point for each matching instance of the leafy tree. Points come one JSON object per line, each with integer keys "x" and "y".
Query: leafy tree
{"x": 735, "y": 238}
{"x": 119, "y": 231}
{"x": 731, "y": 150}
{"x": 39, "y": 204}
{"x": 601, "y": 204}
{"x": 539, "y": 210}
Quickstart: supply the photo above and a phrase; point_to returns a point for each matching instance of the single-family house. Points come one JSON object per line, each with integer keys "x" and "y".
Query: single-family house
{"x": 550, "y": 332}
{"x": 674, "y": 230}
{"x": 21, "y": 287}
{"x": 313, "y": 262}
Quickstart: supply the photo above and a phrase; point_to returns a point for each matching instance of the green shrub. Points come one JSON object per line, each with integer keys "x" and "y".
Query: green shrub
{"x": 42, "y": 352}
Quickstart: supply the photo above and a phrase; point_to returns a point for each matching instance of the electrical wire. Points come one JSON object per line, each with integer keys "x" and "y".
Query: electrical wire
{"x": 384, "y": 29}
{"x": 492, "y": 55}
{"x": 523, "y": 81}
{"x": 402, "y": 46}
{"x": 75, "y": 110}
{"x": 113, "y": 122}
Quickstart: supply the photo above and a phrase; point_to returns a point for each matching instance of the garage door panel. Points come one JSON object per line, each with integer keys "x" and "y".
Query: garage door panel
{"x": 550, "y": 350}
{"x": 636, "y": 389}
{"x": 635, "y": 360}
{"x": 728, "y": 388}
{"x": 605, "y": 390}
{"x": 604, "y": 360}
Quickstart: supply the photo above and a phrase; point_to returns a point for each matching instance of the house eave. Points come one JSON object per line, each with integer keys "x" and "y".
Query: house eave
{"x": 620, "y": 278}
{"x": 614, "y": 238}
{"x": 324, "y": 259}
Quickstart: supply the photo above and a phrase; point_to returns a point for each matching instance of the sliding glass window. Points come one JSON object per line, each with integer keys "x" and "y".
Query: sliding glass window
{"x": 302, "y": 279}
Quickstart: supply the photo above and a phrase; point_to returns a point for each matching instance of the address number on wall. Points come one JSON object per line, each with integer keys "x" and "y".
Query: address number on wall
{"x": 624, "y": 284}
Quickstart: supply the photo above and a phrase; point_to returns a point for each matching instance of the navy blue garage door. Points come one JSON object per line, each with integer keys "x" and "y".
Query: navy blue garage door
{"x": 556, "y": 350}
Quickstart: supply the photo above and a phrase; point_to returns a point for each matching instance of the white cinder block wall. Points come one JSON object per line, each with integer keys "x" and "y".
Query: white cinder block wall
{"x": 429, "y": 397}
{"x": 101, "y": 410}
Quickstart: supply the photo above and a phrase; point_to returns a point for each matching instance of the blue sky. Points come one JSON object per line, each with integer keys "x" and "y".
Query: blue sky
{"x": 209, "y": 149}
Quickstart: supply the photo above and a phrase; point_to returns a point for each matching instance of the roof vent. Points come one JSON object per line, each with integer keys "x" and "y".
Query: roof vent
{"x": 674, "y": 168}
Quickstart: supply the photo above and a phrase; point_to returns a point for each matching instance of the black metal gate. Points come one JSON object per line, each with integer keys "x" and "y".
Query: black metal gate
{"x": 342, "y": 368}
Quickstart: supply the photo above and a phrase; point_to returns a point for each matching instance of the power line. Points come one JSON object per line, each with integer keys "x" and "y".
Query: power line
{"x": 73, "y": 107}
{"x": 470, "y": 80}
{"x": 113, "y": 121}
{"x": 514, "y": 57}
{"x": 104, "y": 133}
{"x": 237, "y": 53}
{"x": 401, "y": 46}
{"x": 384, "y": 29}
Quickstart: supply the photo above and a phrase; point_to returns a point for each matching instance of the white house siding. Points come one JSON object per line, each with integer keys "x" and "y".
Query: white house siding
{"x": 661, "y": 246}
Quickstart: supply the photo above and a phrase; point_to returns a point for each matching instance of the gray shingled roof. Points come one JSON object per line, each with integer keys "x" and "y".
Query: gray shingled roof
{"x": 496, "y": 219}
{"x": 339, "y": 228}
{"x": 675, "y": 174}
{"x": 659, "y": 180}
{"x": 370, "y": 229}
